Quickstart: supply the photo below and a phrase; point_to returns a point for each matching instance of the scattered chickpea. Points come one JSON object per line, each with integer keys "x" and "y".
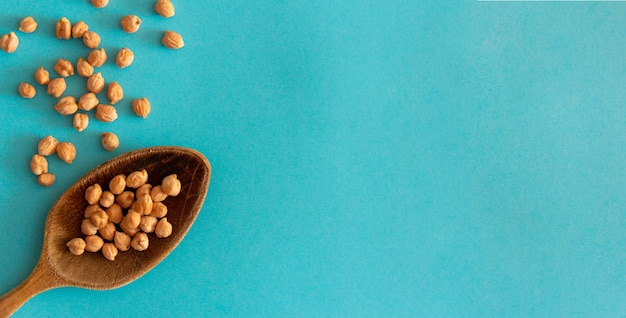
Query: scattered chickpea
{"x": 157, "y": 194}
{"x": 122, "y": 241}
{"x": 26, "y": 90}
{"x": 131, "y": 220}
{"x": 108, "y": 231}
{"x": 95, "y": 83}
{"x": 129, "y": 230}
{"x": 148, "y": 223}
{"x": 109, "y": 251}
{"x": 47, "y": 146}
{"x": 115, "y": 213}
{"x": 125, "y": 199}
{"x": 91, "y": 39}
{"x": 91, "y": 210}
{"x": 42, "y": 77}
{"x": 87, "y": 228}
{"x": 66, "y": 152}
{"x": 124, "y": 58}
{"x": 100, "y": 219}
{"x": 79, "y": 29}
{"x": 28, "y": 25}
{"x": 110, "y": 142}
{"x": 165, "y": 8}
{"x": 83, "y": 68}
{"x": 64, "y": 68}
{"x": 130, "y": 23}
{"x": 163, "y": 228}
{"x": 46, "y": 179}
{"x": 56, "y": 87}
{"x": 81, "y": 121}
{"x": 117, "y": 184}
{"x": 115, "y": 93}
{"x": 107, "y": 199}
{"x": 93, "y": 194}
{"x": 172, "y": 40}
{"x": 88, "y": 101}
{"x": 38, "y": 164}
{"x": 63, "y": 29}
{"x": 106, "y": 113}
{"x": 99, "y": 3}
{"x": 140, "y": 242}
{"x": 171, "y": 185}
{"x": 66, "y": 105}
{"x": 141, "y": 107}
{"x": 93, "y": 243}
{"x": 137, "y": 178}
{"x": 144, "y": 189}
{"x": 159, "y": 210}
{"x": 143, "y": 204}
{"x": 9, "y": 42}
{"x": 76, "y": 246}
{"x": 97, "y": 58}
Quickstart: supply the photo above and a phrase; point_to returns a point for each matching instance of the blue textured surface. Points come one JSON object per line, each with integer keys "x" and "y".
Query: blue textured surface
{"x": 371, "y": 158}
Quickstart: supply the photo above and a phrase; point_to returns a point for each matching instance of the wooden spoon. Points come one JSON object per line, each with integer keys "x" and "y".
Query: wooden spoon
{"x": 57, "y": 267}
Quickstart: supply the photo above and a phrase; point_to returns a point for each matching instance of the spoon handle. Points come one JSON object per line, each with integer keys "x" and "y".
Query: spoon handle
{"x": 38, "y": 281}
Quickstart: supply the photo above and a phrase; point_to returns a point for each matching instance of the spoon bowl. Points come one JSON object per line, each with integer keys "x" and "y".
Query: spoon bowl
{"x": 57, "y": 267}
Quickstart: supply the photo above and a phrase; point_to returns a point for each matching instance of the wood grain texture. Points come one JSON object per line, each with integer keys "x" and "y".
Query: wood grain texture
{"x": 57, "y": 267}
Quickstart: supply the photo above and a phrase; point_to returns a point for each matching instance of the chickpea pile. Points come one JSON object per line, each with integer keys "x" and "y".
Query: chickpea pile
{"x": 122, "y": 216}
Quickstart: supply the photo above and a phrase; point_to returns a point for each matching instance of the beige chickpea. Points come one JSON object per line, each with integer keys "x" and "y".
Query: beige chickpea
{"x": 66, "y": 106}
{"x": 106, "y": 113}
{"x": 93, "y": 243}
{"x": 42, "y": 77}
{"x": 28, "y": 25}
{"x": 141, "y": 107}
{"x": 131, "y": 231}
{"x": 47, "y": 146}
{"x": 26, "y": 90}
{"x": 91, "y": 39}
{"x": 143, "y": 204}
{"x": 79, "y": 28}
{"x": 137, "y": 178}
{"x": 115, "y": 93}
{"x": 110, "y": 141}
{"x": 97, "y": 58}
{"x": 88, "y": 101}
{"x": 163, "y": 228}
{"x": 164, "y": 8}
{"x": 108, "y": 231}
{"x": 83, "y": 68}
{"x": 124, "y": 58}
{"x": 64, "y": 68}
{"x": 38, "y": 164}
{"x": 131, "y": 219}
{"x": 125, "y": 199}
{"x": 87, "y": 228}
{"x": 99, "y": 219}
{"x": 107, "y": 199}
{"x": 172, "y": 40}
{"x": 95, "y": 83}
{"x": 91, "y": 210}
{"x": 56, "y": 87}
{"x": 143, "y": 189}
{"x": 76, "y": 246}
{"x": 148, "y": 223}
{"x": 93, "y": 193}
{"x": 122, "y": 241}
{"x": 130, "y": 23}
{"x": 9, "y": 42}
{"x": 46, "y": 179}
{"x": 115, "y": 213}
{"x": 81, "y": 121}
{"x": 109, "y": 251}
{"x": 99, "y": 3}
{"x": 157, "y": 194}
{"x": 159, "y": 210}
{"x": 66, "y": 152}
{"x": 171, "y": 185}
{"x": 117, "y": 184}
{"x": 140, "y": 242}
{"x": 63, "y": 29}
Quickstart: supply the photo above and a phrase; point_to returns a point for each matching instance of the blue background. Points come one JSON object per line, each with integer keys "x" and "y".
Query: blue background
{"x": 371, "y": 158}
